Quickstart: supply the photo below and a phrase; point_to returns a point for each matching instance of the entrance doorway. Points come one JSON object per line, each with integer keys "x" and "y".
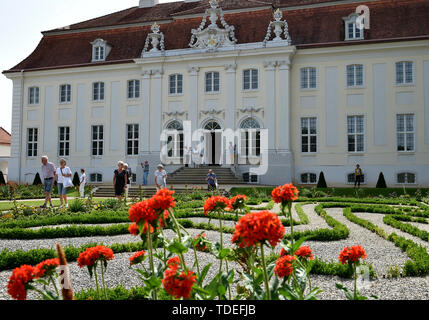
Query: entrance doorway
{"x": 213, "y": 143}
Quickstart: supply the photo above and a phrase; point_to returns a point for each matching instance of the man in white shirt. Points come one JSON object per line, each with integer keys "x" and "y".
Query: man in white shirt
{"x": 160, "y": 178}
{"x": 82, "y": 183}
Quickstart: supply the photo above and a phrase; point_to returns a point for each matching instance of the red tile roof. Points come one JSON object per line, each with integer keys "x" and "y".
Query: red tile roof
{"x": 4, "y": 137}
{"x": 391, "y": 20}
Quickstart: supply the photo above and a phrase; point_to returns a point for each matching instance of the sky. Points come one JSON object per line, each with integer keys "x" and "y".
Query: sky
{"x": 21, "y": 24}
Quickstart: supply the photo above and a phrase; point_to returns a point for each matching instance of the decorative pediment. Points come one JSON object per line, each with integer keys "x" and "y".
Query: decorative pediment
{"x": 155, "y": 40}
{"x": 175, "y": 114}
{"x": 281, "y": 30}
{"x": 212, "y": 112}
{"x": 251, "y": 110}
{"x": 212, "y": 37}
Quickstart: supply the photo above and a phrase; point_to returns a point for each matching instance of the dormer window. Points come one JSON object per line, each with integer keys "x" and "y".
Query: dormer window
{"x": 353, "y": 32}
{"x": 100, "y": 50}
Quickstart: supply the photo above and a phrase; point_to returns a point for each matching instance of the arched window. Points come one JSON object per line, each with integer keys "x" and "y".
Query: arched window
{"x": 250, "y": 142}
{"x": 175, "y": 140}
{"x": 212, "y": 125}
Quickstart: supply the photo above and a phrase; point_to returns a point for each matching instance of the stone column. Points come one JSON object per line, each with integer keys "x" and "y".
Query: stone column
{"x": 156, "y": 110}
{"x": 14, "y": 166}
{"x": 270, "y": 103}
{"x": 193, "y": 96}
{"x": 146, "y": 113}
{"x": 230, "y": 95}
{"x": 283, "y": 111}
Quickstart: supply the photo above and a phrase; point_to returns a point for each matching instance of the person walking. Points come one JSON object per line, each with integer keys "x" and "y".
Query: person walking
{"x": 129, "y": 175}
{"x": 82, "y": 183}
{"x": 211, "y": 180}
{"x": 358, "y": 176}
{"x": 146, "y": 171}
{"x": 119, "y": 181}
{"x": 63, "y": 176}
{"x": 48, "y": 172}
{"x": 160, "y": 178}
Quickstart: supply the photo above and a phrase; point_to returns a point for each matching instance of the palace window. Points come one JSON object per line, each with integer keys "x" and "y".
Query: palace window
{"x": 354, "y": 75}
{"x": 250, "y": 138}
{"x": 33, "y": 95}
{"x": 406, "y": 178}
{"x": 100, "y": 50}
{"x": 351, "y": 178}
{"x": 64, "y": 141}
{"x": 353, "y": 32}
{"x": 404, "y": 72}
{"x": 65, "y": 93}
{"x": 308, "y": 78}
{"x": 175, "y": 140}
{"x": 308, "y": 178}
{"x": 355, "y": 133}
{"x": 98, "y": 91}
{"x": 308, "y": 135}
{"x": 212, "y": 82}
{"x": 97, "y": 141}
{"x": 250, "y": 178}
{"x": 32, "y": 142}
{"x": 251, "y": 79}
{"x": 132, "y": 140}
{"x": 405, "y": 132}
{"x": 133, "y": 89}
{"x": 176, "y": 84}
{"x": 96, "y": 177}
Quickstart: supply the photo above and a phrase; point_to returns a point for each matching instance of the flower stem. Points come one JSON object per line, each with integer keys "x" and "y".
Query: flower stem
{"x": 104, "y": 283}
{"x": 196, "y": 261}
{"x": 264, "y": 266}
{"x": 291, "y": 223}
{"x": 176, "y": 224}
{"x": 96, "y": 281}
{"x": 355, "y": 282}
{"x": 152, "y": 267}
{"x": 55, "y": 286}
{"x": 221, "y": 240}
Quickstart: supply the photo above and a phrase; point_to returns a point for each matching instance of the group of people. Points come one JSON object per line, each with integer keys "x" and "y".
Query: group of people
{"x": 122, "y": 178}
{"x": 196, "y": 157}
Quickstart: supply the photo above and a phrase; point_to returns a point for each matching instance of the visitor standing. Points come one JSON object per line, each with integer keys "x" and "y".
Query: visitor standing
{"x": 119, "y": 180}
{"x": 63, "y": 176}
{"x": 160, "y": 178}
{"x": 146, "y": 171}
{"x": 358, "y": 176}
{"x": 48, "y": 172}
{"x": 211, "y": 180}
{"x": 129, "y": 174}
{"x": 82, "y": 183}
{"x": 188, "y": 155}
{"x": 196, "y": 156}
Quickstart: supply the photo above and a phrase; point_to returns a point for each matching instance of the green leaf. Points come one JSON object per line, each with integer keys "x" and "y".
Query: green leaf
{"x": 177, "y": 248}
{"x": 204, "y": 274}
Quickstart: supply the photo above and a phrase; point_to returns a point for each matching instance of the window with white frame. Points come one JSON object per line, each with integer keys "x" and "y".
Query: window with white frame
{"x": 33, "y": 95}
{"x": 250, "y": 143}
{"x": 65, "y": 93}
{"x": 308, "y": 78}
{"x": 354, "y": 75}
{"x": 175, "y": 140}
{"x": 176, "y": 84}
{"x": 98, "y": 91}
{"x": 97, "y": 141}
{"x": 64, "y": 141}
{"x": 352, "y": 30}
{"x": 404, "y": 72}
{"x": 406, "y": 178}
{"x": 351, "y": 178}
{"x": 133, "y": 89}
{"x": 405, "y": 132}
{"x": 308, "y": 178}
{"x": 212, "y": 82}
{"x": 309, "y": 135}
{"x": 355, "y": 133}
{"x": 99, "y": 50}
{"x": 96, "y": 178}
{"x": 32, "y": 141}
{"x": 132, "y": 139}
{"x": 251, "y": 79}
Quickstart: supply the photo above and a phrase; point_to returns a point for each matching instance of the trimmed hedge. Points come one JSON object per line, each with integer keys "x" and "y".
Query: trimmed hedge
{"x": 405, "y": 227}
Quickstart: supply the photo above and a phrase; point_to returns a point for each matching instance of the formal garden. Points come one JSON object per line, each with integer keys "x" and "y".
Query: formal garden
{"x": 248, "y": 244}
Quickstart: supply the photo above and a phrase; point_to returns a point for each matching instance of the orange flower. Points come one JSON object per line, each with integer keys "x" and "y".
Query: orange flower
{"x": 137, "y": 258}
{"x": 215, "y": 203}
{"x": 46, "y": 268}
{"x": 238, "y": 202}
{"x": 284, "y": 266}
{"x": 305, "y": 252}
{"x": 91, "y": 255}
{"x": 258, "y": 227}
{"x": 201, "y": 246}
{"x": 352, "y": 254}
{"x": 163, "y": 200}
{"x": 284, "y": 194}
{"x": 17, "y": 285}
{"x": 134, "y": 229}
{"x": 179, "y": 284}
{"x": 173, "y": 263}
{"x": 143, "y": 211}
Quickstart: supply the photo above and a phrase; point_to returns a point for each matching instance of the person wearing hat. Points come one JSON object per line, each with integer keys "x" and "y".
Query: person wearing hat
{"x": 160, "y": 178}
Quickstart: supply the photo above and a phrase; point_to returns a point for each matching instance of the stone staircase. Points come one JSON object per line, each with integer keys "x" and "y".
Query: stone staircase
{"x": 197, "y": 176}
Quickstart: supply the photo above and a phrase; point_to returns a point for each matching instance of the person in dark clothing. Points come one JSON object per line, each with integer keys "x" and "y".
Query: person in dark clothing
{"x": 119, "y": 180}
{"x": 358, "y": 176}
{"x": 146, "y": 169}
{"x": 211, "y": 180}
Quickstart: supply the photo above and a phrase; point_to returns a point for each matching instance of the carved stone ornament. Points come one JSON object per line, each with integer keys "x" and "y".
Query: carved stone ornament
{"x": 212, "y": 112}
{"x": 280, "y": 28}
{"x": 212, "y": 37}
{"x": 251, "y": 110}
{"x": 174, "y": 114}
{"x": 155, "y": 40}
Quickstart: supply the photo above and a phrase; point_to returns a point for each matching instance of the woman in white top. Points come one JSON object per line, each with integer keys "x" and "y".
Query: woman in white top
{"x": 63, "y": 178}
{"x": 196, "y": 156}
{"x": 82, "y": 183}
{"x": 160, "y": 178}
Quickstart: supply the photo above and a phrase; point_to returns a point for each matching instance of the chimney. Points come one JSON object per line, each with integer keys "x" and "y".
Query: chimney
{"x": 148, "y": 3}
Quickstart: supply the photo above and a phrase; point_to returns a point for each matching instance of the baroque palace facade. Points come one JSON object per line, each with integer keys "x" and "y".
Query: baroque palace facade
{"x": 300, "y": 86}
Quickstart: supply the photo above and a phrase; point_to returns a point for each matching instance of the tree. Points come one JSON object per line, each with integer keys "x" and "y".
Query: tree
{"x": 2, "y": 181}
{"x": 381, "y": 183}
{"x": 37, "y": 181}
{"x": 76, "y": 180}
{"x": 322, "y": 182}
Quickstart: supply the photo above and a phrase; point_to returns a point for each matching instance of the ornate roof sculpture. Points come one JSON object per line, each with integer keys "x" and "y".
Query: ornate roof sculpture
{"x": 156, "y": 39}
{"x": 212, "y": 37}
{"x": 280, "y": 27}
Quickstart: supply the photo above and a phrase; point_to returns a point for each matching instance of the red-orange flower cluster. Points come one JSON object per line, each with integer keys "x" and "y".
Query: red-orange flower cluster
{"x": 201, "y": 246}
{"x": 18, "y": 281}
{"x": 284, "y": 194}
{"x": 258, "y": 227}
{"x": 215, "y": 203}
{"x": 134, "y": 229}
{"x": 163, "y": 200}
{"x": 305, "y": 252}
{"x": 173, "y": 263}
{"x": 46, "y": 268}
{"x": 138, "y": 257}
{"x": 178, "y": 283}
{"x": 352, "y": 254}
{"x": 238, "y": 202}
{"x": 94, "y": 254}
{"x": 284, "y": 266}
{"x": 143, "y": 211}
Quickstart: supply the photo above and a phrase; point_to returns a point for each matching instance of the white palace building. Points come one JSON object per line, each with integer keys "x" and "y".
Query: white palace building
{"x": 299, "y": 86}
